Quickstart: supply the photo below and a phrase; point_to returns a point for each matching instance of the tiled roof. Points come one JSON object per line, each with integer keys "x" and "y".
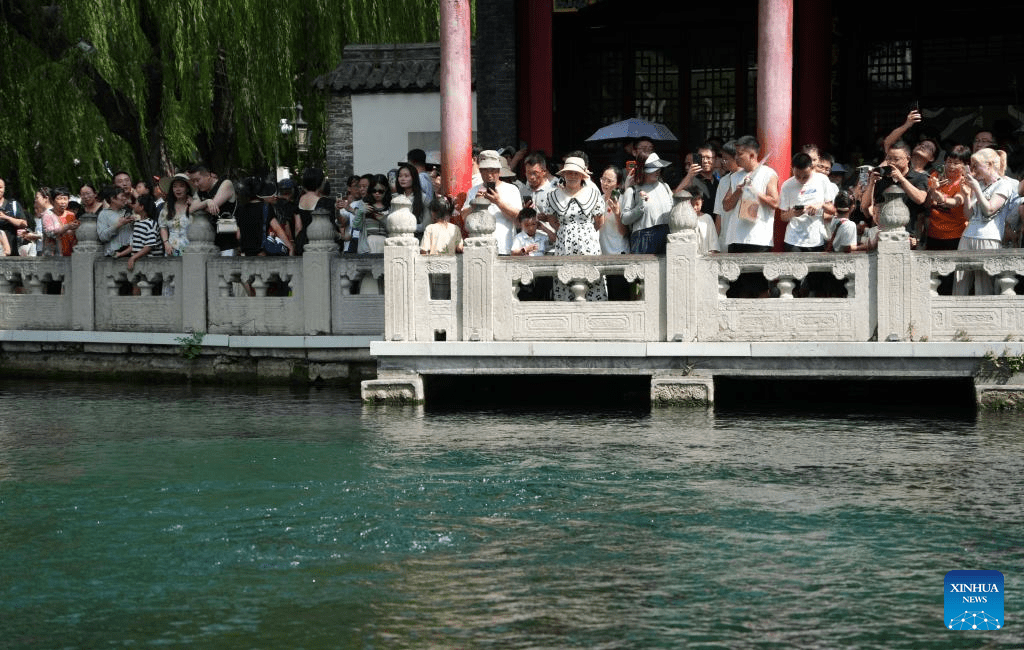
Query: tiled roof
{"x": 386, "y": 68}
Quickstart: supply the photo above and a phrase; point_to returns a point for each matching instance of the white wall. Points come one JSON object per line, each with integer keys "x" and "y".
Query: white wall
{"x": 386, "y": 126}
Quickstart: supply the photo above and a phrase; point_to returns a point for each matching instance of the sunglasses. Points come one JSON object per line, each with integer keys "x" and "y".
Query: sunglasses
{"x": 379, "y": 190}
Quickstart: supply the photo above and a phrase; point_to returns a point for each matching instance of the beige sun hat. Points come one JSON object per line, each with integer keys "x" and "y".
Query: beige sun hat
{"x": 574, "y": 164}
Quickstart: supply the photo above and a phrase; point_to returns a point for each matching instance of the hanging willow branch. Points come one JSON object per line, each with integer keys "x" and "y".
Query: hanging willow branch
{"x": 139, "y": 83}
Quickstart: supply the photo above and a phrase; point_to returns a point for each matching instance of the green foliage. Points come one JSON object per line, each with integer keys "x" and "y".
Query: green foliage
{"x": 1001, "y": 367}
{"x": 192, "y": 345}
{"x": 168, "y": 82}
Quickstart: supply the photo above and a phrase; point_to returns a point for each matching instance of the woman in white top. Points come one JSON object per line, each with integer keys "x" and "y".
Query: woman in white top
{"x": 613, "y": 234}
{"x": 986, "y": 192}
{"x": 646, "y": 206}
{"x": 174, "y": 217}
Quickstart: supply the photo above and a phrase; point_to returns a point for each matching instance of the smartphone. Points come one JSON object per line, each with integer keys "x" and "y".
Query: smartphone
{"x": 490, "y": 186}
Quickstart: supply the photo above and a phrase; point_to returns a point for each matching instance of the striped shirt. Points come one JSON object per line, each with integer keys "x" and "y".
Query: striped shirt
{"x": 145, "y": 233}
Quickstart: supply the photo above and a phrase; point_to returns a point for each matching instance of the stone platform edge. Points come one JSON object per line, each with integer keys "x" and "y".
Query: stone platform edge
{"x": 174, "y": 357}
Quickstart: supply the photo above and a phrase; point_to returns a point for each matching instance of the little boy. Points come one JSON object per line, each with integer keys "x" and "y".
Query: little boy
{"x": 528, "y": 241}
{"x": 531, "y": 242}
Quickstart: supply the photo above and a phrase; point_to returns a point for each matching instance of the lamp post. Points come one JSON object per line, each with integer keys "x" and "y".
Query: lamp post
{"x": 299, "y": 127}
{"x": 301, "y": 131}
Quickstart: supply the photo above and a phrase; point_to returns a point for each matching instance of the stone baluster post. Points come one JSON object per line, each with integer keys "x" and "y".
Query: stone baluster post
{"x": 316, "y": 273}
{"x": 83, "y": 281}
{"x": 681, "y": 304}
{"x": 194, "y": 259}
{"x": 401, "y": 295}
{"x": 477, "y": 285}
{"x": 681, "y": 255}
{"x": 894, "y": 280}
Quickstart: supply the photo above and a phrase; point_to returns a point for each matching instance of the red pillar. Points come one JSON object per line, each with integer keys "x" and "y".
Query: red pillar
{"x": 456, "y": 99}
{"x": 535, "y": 77}
{"x": 775, "y": 89}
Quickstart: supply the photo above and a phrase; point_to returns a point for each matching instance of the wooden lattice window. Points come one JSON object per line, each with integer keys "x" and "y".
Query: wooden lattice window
{"x": 890, "y": 66}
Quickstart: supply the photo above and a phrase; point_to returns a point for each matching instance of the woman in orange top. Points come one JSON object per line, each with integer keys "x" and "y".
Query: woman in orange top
{"x": 946, "y": 218}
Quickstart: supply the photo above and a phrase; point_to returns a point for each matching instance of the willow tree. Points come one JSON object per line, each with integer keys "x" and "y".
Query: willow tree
{"x": 144, "y": 85}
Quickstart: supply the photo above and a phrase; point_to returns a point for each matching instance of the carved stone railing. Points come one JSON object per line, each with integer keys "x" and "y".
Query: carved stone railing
{"x": 319, "y": 293}
{"x": 844, "y": 318}
{"x": 627, "y": 320}
{"x": 995, "y": 317}
{"x": 891, "y": 294}
{"x": 35, "y": 293}
{"x": 144, "y": 299}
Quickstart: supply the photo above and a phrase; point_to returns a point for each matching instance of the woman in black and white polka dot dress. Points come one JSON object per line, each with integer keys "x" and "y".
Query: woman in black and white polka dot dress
{"x": 579, "y": 210}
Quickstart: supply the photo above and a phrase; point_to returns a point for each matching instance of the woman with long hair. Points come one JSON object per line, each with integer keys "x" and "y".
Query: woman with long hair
{"x": 614, "y": 235}
{"x": 985, "y": 193}
{"x": 175, "y": 216}
{"x": 408, "y": 184}
{"x": 372, "y": 216}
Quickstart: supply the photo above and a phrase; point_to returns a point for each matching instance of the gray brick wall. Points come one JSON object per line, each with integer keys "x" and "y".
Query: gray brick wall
{"x": 495, "y": 79}
{"x": 339, "y": 137}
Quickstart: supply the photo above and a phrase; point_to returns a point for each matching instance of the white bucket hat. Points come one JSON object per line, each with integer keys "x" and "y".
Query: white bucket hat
{"x": 654, "y": 163}
{"x": 488, "y": 159}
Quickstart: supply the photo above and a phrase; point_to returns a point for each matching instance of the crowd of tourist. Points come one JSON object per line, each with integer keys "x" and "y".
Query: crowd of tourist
{"x": 957, "y": 196}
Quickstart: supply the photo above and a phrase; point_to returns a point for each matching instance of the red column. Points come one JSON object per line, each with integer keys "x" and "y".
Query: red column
{"x": 456, "y": 99}
{"x": 535, "y": 77}
{"x": 775, "y": 89}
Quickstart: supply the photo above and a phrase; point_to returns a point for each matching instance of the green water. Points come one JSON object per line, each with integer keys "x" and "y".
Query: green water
{"x": 135, "y": 516}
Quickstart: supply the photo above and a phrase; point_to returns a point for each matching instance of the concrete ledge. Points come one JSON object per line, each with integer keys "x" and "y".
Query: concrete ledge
{"x": 171, "y": 338}
{"x": 406, "y": 389}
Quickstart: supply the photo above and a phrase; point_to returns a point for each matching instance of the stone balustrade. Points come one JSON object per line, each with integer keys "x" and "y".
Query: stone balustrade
{"x": 321, "y": 293}
{"x": 890, "y": 294}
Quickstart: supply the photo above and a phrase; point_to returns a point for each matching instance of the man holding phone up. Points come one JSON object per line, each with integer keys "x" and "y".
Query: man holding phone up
{"x": 506, "y": 202}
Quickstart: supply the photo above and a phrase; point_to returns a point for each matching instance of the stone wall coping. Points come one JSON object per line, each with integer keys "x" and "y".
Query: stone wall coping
{"x": 210, "y": 340}
{"x": 968, "y": 349}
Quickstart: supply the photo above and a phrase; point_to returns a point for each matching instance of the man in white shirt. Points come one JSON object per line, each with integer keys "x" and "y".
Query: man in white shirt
{"x": 722, "y": 216}
{"x": 754, "y": 196}
{"x": 805, "y": 202}
{"x": 505, "y": 199}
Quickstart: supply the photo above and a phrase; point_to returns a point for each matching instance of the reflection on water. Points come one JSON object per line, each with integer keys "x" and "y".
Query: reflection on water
{"x": 276, "y": 518}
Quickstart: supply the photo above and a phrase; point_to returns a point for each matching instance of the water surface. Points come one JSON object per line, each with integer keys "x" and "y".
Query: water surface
{"x": 270, "y": 518}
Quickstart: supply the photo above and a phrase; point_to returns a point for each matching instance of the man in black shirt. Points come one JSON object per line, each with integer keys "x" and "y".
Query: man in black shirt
{"x": 914, "y": 186}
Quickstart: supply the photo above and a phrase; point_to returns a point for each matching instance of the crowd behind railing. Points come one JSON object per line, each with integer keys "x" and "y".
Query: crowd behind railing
{"x": 957, "y": 197}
